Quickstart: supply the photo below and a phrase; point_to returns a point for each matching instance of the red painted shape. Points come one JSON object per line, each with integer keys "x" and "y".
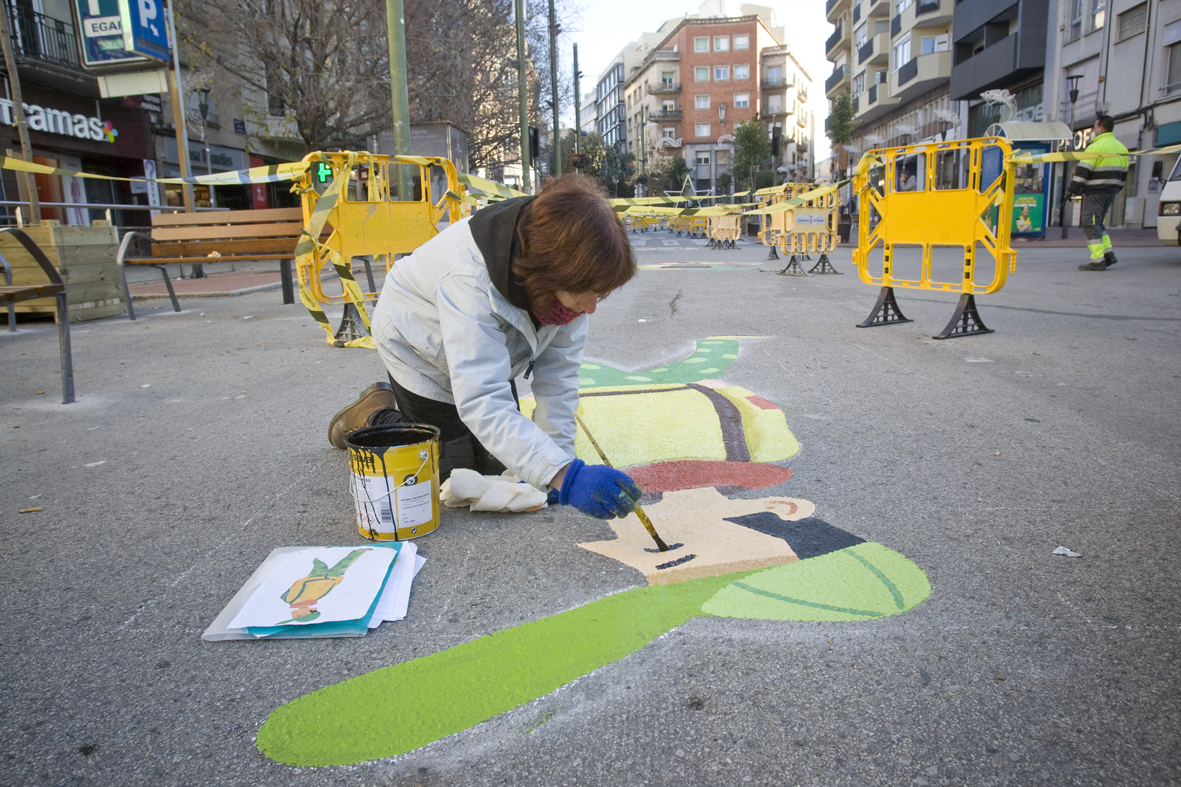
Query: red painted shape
{"x": 761, "y": 403}
{"x": 675, "y": 476}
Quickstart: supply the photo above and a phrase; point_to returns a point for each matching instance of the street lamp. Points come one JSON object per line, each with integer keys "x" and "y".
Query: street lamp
{"x": 1072, "y": 93}
{"x": 203, "y": 107}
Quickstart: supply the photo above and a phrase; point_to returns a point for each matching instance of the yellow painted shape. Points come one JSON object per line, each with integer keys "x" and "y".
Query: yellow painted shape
{"x": 646, "y": 428}
{"x": 696, "y": 518}
{"x": 767, "y": 434}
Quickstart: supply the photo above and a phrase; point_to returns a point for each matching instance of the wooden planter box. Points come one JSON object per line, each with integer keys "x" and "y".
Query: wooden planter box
{"x": 85, "y": 257}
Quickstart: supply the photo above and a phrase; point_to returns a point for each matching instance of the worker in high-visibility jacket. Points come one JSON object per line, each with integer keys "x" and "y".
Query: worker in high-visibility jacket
{"x": 1098, "y": 181}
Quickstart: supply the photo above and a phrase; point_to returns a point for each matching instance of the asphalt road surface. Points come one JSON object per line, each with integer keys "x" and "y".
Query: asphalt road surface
{"x": 198, "y": 444}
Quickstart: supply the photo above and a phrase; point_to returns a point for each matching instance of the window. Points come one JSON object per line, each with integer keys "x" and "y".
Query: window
{"x": 774, "y": 75}
{"x": 1133, "y": 22}
{"x": 670, "y": 133}
{"x": 741, "y": 42}
{"x": 742, "y": 72}
{"x": 702, "y": 130}
{"x": 902, "y": 5}
{"x": 1076, "y": 20}
{"x": 741, "y": 100}
{"x": 1173, "y": 82}
{"x": 666, "y": 79}
{"x": 934, "y": 44}
{"x": 1098, "y": 14}
{"x": 774, "y": 103}
{"x": 901, "y": 54}
{"x": 701, "y": 102}
{"x": 701, "y": 74}
{"x": 701, "y": 44}
{"x": 721, "y": 43}
{"x": 859, "y": 84}
{"x": 668, "y": 107}
{"x": 703, "y": 157}
{"x": 879, "y": 78}
{"x": 721, "y": 72}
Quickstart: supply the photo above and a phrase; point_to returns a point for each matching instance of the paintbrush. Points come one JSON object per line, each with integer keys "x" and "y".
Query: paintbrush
{"x": 639, "y": 511}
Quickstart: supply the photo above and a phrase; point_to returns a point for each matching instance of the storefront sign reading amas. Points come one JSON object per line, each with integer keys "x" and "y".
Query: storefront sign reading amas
{"x": 56, "y": 121}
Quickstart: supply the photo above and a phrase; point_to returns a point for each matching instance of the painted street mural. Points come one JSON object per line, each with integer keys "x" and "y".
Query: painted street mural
{"x": 689, "y": 440}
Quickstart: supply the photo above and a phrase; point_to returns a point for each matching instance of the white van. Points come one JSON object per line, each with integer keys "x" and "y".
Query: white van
{"x": 1168, "y": 215}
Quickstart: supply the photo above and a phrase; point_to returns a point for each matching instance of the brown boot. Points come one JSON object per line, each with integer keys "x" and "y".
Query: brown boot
{"x": 376, "y": 397}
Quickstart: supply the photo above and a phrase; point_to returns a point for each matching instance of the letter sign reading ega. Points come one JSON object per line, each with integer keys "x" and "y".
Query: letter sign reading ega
{"x": 101, "y": 42}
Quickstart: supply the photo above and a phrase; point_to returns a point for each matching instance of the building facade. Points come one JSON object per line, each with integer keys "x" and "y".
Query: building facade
{"x": 1123, "y": 59}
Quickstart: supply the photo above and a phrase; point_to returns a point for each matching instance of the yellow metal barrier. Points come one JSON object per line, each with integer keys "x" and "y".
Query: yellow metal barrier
{"x": 370, "y": 218}
{"x": 810, "y": 228}
{"x": 724, "y": 231}
{"x": 940, "y": 194}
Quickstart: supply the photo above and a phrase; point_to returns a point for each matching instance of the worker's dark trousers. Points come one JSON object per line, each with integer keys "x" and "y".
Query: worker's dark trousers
{"x": 1094, "y": 214}
{"x": 459, "y": 448}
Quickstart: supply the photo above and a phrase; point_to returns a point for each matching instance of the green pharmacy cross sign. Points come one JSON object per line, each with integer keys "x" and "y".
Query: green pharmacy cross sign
{"x": 323, "y": 172}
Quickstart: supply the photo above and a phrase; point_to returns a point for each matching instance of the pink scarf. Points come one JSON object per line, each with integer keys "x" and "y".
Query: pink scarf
{"x": 556, "y": 314}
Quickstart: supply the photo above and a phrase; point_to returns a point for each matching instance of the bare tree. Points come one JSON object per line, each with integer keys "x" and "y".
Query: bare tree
{"x": 323, "y": 62}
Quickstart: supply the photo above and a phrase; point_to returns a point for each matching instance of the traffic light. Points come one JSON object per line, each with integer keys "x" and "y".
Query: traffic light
{"x": 776, "y": 141}
{"x": 534, "y": 143}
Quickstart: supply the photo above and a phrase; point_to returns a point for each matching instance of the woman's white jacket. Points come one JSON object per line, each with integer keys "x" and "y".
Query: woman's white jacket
{"x": 446, "y": 331}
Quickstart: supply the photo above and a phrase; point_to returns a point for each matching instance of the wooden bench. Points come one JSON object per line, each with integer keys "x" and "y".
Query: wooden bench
{"x": 210, "y": 237}
{"x": 10, "y": 294}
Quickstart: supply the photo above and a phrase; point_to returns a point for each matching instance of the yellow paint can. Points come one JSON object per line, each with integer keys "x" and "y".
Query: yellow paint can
{"x": 394, "y": 480}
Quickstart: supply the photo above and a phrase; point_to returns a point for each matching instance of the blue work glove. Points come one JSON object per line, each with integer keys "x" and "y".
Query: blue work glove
{"x": 599, "y": 491}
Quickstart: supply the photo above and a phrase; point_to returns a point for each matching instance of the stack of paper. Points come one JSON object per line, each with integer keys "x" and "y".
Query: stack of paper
{"x": 321, "y": 592}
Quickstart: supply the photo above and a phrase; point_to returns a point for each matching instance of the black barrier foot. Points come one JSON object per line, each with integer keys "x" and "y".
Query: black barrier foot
{"x": 824, "y": 266}
{"x": 773, "y": 254}
{"x": 885, "y": 311}
{"x": 966, "y": 320}
{"x": 351, "y": 326}
{"x": 793, "y": 268}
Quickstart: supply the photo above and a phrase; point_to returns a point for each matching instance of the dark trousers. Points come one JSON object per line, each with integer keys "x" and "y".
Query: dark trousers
{"x": 459, "y": 448}
{"x": 1094, "y": 214}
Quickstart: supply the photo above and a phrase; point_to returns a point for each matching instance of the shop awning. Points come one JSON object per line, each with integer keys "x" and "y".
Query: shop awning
{"x": 1045, "y": 131}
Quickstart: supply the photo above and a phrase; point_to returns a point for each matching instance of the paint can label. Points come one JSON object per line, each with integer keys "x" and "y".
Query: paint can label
{"x": 383, "y": 508}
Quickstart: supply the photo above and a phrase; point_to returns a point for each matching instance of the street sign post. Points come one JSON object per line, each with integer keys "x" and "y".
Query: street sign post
{"x": 145, "y": 31}
{"x": 101, "y": 36}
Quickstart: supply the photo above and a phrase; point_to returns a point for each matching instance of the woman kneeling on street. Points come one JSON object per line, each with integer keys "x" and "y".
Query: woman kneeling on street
{"x": 503, "y": 294}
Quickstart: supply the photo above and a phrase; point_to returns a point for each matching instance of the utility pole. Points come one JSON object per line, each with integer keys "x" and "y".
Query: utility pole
{"x": 178, "y": 114}
{"x": 643, "y": 153}
{"x": 553, "y": 86}
{"x": 577, "y": 104}
{"x": 523, "y": 90}
{"x": 399, "y": 95}
{"x": 18, "y": 115}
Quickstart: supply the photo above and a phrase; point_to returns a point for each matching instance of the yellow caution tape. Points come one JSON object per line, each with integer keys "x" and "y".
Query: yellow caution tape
{"x": 796, "y": 202}
{"x": 489, "y": 186}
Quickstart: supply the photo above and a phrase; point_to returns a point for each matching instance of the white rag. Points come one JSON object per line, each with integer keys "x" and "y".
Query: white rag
{"x": 502, "y": 493}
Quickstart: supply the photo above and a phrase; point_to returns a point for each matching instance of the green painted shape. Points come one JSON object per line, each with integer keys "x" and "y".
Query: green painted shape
{"x": 682, "y": 372}
{"x": 406, "y": 706}
{"x": 856, "y": 583}
{"x": 403, "y": 707}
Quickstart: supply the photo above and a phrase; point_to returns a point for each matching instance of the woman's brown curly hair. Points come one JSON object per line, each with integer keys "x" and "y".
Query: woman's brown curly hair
{"x": 571, "y": 240}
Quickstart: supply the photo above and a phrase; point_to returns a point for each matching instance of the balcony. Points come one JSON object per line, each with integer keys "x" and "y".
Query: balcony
{"x": 925, "y": 13}
{"x": 835, "y": 9}
{"x": 1004, "y": 63}
{"x": 864, "y": 51}
{"x": 856, "y": 105}
{"x": 857, "y": 13}
{"x": 838, "y": 37}
{"x": 971, "y": 15}
{"x": 46, "y": 49}
{"x": 878, "y": 102}
{"x": 895, "y": 25}
{"x": 802, "y": 93}
{"x": 663, "y": 89}
{"x": 834, "y": 83}
{"x": 666, "y": 55}
{"x": 921, "y": 74}
{"x": 666, "y": 114}
{"x": 877, "y": 8}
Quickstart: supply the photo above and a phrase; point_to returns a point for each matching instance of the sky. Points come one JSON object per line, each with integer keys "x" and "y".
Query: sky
{"x": 602, "y": 27}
